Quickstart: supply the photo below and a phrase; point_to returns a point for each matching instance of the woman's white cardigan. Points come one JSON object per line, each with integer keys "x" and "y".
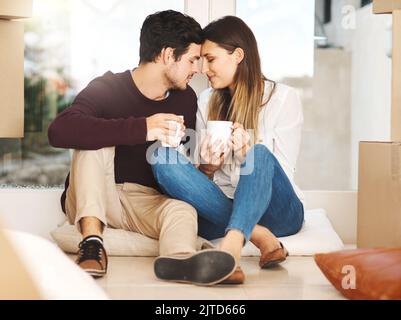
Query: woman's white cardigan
{"x": 280, "y": 125}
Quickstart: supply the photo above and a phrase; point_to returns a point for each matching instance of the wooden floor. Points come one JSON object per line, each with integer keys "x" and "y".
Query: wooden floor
{"x": 296, "y": 278}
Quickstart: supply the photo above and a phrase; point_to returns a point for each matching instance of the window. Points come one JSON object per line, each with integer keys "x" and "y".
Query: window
{"x": 365, "y": 2}
{"x": 327, "y": 11}
{"x": 285, "y": 34}
{"x": 68, "y": 43}
{"x": 284, "y": 31}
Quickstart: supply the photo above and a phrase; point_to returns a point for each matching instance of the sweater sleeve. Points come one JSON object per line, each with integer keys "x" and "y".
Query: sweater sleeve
{"x": 82, "y": 125}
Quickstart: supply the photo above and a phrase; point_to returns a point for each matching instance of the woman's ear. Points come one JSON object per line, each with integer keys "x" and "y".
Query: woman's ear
{"x": 239, "y": 55}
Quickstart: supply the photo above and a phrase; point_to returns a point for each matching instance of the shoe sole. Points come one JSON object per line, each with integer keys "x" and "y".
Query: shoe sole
{"x": 95, "y": 273}
{"x": 271, "y": 264}
{"x": 205, "y": 268}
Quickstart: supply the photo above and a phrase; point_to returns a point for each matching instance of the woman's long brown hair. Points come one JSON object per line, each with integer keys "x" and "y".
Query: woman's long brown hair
{"x": 243, "y": 106}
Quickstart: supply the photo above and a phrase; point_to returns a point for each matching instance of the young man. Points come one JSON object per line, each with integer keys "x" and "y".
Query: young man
{"x": 110, "y": 125}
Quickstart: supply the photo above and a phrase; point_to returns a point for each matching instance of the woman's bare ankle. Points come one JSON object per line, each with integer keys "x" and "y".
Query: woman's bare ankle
{"x": 232, "y": 243}
{"x": 262, "y": 238}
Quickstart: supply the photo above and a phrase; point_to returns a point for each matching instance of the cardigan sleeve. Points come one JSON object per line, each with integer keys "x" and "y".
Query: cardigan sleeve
{"x": 201, "y": 122}
{"x": 287, "y": 131}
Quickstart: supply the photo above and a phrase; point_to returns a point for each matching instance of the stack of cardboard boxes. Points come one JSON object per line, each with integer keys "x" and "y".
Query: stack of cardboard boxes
{"x": 12, "y": 66}
{"x": 379, "y": 181}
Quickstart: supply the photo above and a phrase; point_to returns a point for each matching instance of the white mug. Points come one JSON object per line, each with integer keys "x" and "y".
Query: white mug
{"x": 174, "y": 141}
{"x": 220, "y": 130}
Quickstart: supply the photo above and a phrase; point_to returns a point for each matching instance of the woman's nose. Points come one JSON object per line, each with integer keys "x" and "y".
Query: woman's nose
{"x": 205, "y": 67}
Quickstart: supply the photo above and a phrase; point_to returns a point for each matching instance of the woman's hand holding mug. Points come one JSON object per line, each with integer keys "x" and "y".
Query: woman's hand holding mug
{"x": 212, "y": 155}
{"x": 239, "y": 142}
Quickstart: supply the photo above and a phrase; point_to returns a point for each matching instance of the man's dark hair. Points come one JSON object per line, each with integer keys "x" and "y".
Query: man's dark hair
{"x": 167, "y": 29}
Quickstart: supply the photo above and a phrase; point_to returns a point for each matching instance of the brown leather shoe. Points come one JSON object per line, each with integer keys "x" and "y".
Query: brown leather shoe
{"x": 238, "y": 277}
{"x": 273, "y": 258}
{"x": 92, "y": 257}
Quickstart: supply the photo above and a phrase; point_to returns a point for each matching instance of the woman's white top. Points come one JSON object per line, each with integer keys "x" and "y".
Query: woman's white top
{"x": 280, "y": 125}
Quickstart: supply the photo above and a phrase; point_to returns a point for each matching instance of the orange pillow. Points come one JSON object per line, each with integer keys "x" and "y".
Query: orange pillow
{"x": 364, "y": 273}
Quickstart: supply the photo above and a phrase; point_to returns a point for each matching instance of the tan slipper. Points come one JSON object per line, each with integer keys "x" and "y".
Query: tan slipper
{"x": 238, "y": 277}
{"x": 273, "y": 258}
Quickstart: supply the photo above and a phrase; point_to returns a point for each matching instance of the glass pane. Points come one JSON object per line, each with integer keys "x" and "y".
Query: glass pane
{"x": 67, "y": 44}
{"x": 284, "y": 31}
{"x": 351, "y": 88}
{"x": 330, "y": 51}
{"x": 285, "y": 34}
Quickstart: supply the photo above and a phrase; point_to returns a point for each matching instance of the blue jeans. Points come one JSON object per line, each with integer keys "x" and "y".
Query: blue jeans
{"x": 265, "y": 196}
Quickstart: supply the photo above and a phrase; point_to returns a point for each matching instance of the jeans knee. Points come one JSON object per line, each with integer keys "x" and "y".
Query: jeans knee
{"x": 166, "y": 156}
{"x": 158, "y": 156}
{"x": 261, "y": 149}
{"x": 157, "y": 159}
{"x": 261, "y": 153}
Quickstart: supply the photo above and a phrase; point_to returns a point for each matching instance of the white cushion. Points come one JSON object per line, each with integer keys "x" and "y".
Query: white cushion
{"x": 55, "y": 275}
{"x": 117, "y": 242}
{"x": 316, "y": 235}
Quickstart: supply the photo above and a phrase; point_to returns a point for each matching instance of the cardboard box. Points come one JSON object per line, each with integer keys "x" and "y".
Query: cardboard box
{"x": 386, "y": 6}
{"x": 15, "y": 9}
{"x": 379, "y": 195}
{"x": 11, "y": 79}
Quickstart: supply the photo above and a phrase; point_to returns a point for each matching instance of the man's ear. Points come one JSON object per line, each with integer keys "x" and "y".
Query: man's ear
{"x": 239, "y": 55}
{"x": 167, "y": 55}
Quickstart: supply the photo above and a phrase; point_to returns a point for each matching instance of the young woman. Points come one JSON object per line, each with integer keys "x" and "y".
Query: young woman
{"x": 253, "y": 197}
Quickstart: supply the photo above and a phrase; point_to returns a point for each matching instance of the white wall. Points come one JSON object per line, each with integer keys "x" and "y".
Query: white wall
{"x": 323, "y": 162}
{"x": 370, "y": 73}
{"x": 36, "y": 211}
{"x": 370, "y": 84}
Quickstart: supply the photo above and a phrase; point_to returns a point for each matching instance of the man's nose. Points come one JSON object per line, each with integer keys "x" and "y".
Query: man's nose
{"x": 195, "y": 67}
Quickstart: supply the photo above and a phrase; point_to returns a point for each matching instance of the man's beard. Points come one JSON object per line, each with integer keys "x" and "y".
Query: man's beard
{"x": 172, "y": 83}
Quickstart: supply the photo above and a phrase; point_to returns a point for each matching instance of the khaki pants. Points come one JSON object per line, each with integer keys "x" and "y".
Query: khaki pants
{"x": 92, "y": 192}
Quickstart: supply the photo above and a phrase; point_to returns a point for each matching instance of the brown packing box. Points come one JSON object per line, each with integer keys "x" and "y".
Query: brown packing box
{"x": 11, "y": 79}
{"x": 379, "y": 194}
{"x": 15, "y": 280}
{"x": 15, "y": 9}
{"x": 386, "y": 6}
{"x": 379, "y": 185}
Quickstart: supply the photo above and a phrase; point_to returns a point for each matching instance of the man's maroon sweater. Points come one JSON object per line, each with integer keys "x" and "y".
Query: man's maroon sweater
{"x": 111, "y": 111}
